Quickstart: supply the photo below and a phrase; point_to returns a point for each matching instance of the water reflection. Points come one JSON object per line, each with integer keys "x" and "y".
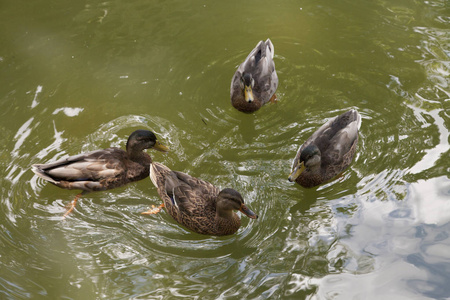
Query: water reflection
{"x": 433, "y": 155}
{"x": 396, "y": 246}
{"x": 35, "y": 102}
{"x": 430, "y": 201}
{"x": 83, "y": 77}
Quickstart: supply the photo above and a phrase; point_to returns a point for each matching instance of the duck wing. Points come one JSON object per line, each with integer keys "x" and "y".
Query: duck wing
{"x": 83, "y": 171}
{"x": 261, "y": 65}
{"x": 335, "y": 138}
{"x": 340, "y": 137}
{"x": 190, "y": 194}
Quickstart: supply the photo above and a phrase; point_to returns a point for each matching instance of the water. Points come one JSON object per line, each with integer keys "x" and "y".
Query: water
{"x": 82, "y": 76}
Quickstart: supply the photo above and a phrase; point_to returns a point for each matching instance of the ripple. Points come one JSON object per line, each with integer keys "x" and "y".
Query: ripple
{"x": 383, "y": 223}
{"x": 160, "y": 233}
{"x": 433, "y": 155}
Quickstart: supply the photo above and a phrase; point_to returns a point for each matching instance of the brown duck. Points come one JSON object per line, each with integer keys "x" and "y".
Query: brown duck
{"x": 328, "y": 152}
{"x": 197, "y": 204}
{"x": 102, "y": 169}
{"x": 255, "y": 81}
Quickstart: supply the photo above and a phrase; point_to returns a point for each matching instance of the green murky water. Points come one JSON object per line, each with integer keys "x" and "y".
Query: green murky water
{"x": 81, "y": 75}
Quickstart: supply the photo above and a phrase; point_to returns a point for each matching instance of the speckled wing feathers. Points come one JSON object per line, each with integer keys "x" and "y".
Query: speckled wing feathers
{"x": 196, "y": 201}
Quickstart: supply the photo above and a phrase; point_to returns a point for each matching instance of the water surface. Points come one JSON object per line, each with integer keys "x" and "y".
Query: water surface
{"x": 79, "y": 76}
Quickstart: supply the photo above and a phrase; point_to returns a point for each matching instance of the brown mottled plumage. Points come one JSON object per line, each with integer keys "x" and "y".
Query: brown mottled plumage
{"x": 328, "y": 152}
{"x": 197, "y": 204}
{"x": 255, "y": 81}
{"x": 102, "y": 169}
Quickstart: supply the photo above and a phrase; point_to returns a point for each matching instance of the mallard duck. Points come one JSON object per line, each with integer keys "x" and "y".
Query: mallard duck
{"x": 328, "y": 152}
{"x": 255, "y": 81}
{"x": 197, "y": 204}
{"x": 102, "y": 169}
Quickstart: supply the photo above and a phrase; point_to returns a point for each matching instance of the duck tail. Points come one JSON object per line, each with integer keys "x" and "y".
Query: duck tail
{"x": 270, "y": 50}
{"x": 157, "y": 172}
{"x": 356, "y": 117}
{"x": 38, "y": 170}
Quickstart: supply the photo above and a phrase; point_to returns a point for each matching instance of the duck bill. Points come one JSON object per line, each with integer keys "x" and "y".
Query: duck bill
{"x": 248, "y": 94}
{"x": 299, "y": 168}
{"x": 160, "y": 147}
{"x": 246, "y": 211}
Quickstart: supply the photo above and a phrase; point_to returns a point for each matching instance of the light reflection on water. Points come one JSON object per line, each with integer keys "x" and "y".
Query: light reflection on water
{"x": 378, "y": 231}
{"x": 433, "y": 155}
{"x": 406, "y": 254}
{"x": 328, "y": 239}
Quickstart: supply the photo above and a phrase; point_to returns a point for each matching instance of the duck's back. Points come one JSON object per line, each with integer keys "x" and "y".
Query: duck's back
{"x": 191, "y": 201}
{"x": 94, "y": 171}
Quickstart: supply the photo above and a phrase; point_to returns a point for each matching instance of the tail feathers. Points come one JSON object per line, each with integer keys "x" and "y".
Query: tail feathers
{"x": 269, "y": 49}
{"x": 354, "y": 116}
{"x": 153, "y": 175}
{"x": 264, "y": 50}
{"x": 156, "y": 169}
{"x": 350, "y": 131}
{"x": 37, "y": 169}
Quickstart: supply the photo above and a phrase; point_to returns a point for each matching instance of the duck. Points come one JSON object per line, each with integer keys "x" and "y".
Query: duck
{"x": 255, "y": 81}
{"x": 102, "y": 169}
{"x": 328, "y": 152}
{"x": 197, "y": 204}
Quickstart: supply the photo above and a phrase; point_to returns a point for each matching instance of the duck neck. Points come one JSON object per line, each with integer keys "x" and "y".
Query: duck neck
{"x": 138, "y": 155}
{"x": 314, "y": 169}
{"x": 227, "y": 223}
{"x": 310, "y": 177}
